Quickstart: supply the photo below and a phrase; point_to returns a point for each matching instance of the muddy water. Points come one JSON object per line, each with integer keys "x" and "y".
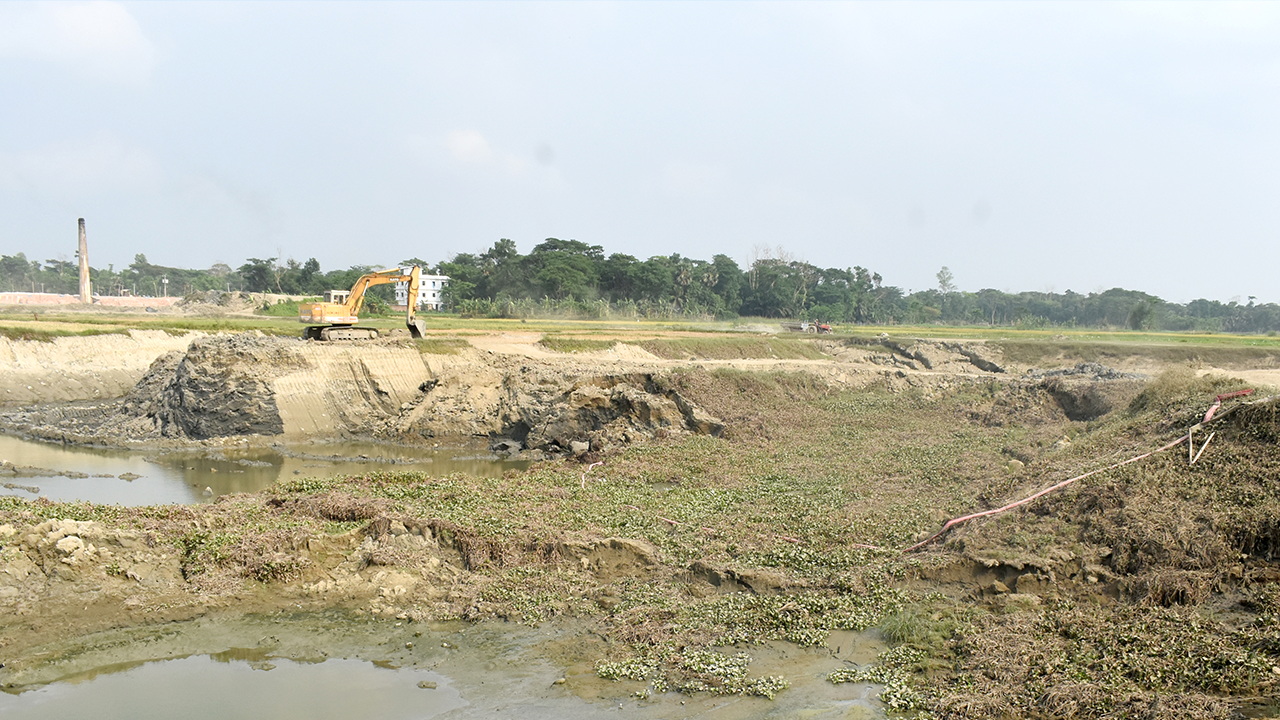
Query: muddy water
{"x": 77, "y": 473}
{"x": 211, "y": 687}
{"x": 341, "y": 665}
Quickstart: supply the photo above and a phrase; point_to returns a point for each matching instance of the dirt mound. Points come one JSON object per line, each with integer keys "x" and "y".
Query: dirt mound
{"x": 1086, "y": 392}
{"x": 1083, "y": 399}
{"x": 216, "y": 301}
{"x": 601, "y": 412}
{"x": 627, "y": 351}
{"x": 222, "y": 387}
{"x": 1091, "y": 370}
{"x": 919, "y": 355}
{"x": 539, "y": 407}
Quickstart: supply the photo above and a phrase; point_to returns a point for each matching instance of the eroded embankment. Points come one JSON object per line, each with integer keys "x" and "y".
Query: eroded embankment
{"x": 250, "y": 386}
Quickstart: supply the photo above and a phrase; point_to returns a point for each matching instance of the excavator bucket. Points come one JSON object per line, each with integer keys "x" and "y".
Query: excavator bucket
{"x": 417, "y": 327}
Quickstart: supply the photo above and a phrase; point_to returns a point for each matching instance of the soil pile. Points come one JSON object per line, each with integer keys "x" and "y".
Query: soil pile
{"x": 221, "y": 387}
{"x": 217, "y": 302}
{"x": 601, "y": 412}
{"x": 918, "y": 355}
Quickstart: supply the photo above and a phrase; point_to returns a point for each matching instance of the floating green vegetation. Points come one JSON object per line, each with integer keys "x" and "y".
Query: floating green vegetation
{"x": 802, "y": 618}
{"x": 694, "y": 670}
{"x": 630, "y": 669}
{"x": 894, "y": 670}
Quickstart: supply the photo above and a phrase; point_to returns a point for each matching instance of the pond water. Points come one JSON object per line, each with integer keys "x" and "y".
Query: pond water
{"x": 91, "y": 474}
{"x": 216, "y": 686}
{"x": 335, "y": 664}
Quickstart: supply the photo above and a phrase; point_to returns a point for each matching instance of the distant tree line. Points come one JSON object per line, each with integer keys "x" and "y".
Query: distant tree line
{"x": 17, "y": 273}
{"x": 572, "y": 277}
{"x": 571, "y": 274}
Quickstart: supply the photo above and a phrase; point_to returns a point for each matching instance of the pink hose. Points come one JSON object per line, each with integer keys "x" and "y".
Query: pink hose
{"x": 1207, "y": 417}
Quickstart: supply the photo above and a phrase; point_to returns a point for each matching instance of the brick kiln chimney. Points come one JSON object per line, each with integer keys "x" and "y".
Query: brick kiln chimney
{"x": 85, "y": 290}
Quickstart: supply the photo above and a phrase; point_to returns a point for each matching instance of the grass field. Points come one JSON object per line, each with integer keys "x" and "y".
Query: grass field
{"x": 1022, "y": 343}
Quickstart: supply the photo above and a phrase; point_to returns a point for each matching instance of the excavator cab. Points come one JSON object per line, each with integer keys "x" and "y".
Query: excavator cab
{"x": 329, "y": 321}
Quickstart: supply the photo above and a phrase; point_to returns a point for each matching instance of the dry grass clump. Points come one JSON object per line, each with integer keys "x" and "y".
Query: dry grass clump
{"x": 1082, "y": 700}
{"x": 1259, "y": 421}
{"x": 1178, "y": 394}
{"x": 1168, "y": 587}
{"x": 1087, "y": 662}
{"x": 336, "y": 506}
{"x": 1175, "y": 541}
{"x": 270, "y": 556}
{"x": 1148, "y": 523}
{"x": 1188, "y": 524}
{"x": 262, "y": 555}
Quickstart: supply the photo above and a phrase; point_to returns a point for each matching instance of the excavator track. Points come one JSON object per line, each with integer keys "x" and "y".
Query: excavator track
{"x": 340, "y": 334}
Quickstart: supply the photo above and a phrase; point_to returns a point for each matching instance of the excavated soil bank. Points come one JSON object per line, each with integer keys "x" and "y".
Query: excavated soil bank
{"x": 251, "y": 386}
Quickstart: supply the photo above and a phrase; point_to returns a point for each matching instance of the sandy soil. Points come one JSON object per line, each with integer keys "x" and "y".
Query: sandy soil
{"x": 80, "y": 368}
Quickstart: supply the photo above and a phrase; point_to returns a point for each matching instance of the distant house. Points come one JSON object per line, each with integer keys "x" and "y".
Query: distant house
{"x": 430, "y": 292}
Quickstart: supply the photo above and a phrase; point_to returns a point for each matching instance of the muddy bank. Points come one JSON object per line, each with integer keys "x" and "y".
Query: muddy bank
{"x": 521, "y": 397}
{"x": 372, "y": 594}
{"x": 250, "y": 386}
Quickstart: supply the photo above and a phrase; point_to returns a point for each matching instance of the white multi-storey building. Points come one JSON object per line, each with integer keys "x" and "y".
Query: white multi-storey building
{"x": 430, "y": 292}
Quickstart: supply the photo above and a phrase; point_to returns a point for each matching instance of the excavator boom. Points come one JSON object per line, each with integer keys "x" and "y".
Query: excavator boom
{"x": 336, "y": 321}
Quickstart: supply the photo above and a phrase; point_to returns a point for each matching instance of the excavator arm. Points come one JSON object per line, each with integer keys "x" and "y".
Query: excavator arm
{"x": 417, "y": 327}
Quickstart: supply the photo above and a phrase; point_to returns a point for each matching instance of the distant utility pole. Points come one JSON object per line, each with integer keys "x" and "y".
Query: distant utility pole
{"x": 85, "y": 290}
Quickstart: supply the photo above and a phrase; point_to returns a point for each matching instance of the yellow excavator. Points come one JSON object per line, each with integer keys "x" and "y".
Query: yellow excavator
{"x": 336, "y": 321}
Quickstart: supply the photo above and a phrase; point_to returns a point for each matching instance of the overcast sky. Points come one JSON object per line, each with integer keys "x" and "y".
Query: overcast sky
{"x": 1027, "y": 146}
